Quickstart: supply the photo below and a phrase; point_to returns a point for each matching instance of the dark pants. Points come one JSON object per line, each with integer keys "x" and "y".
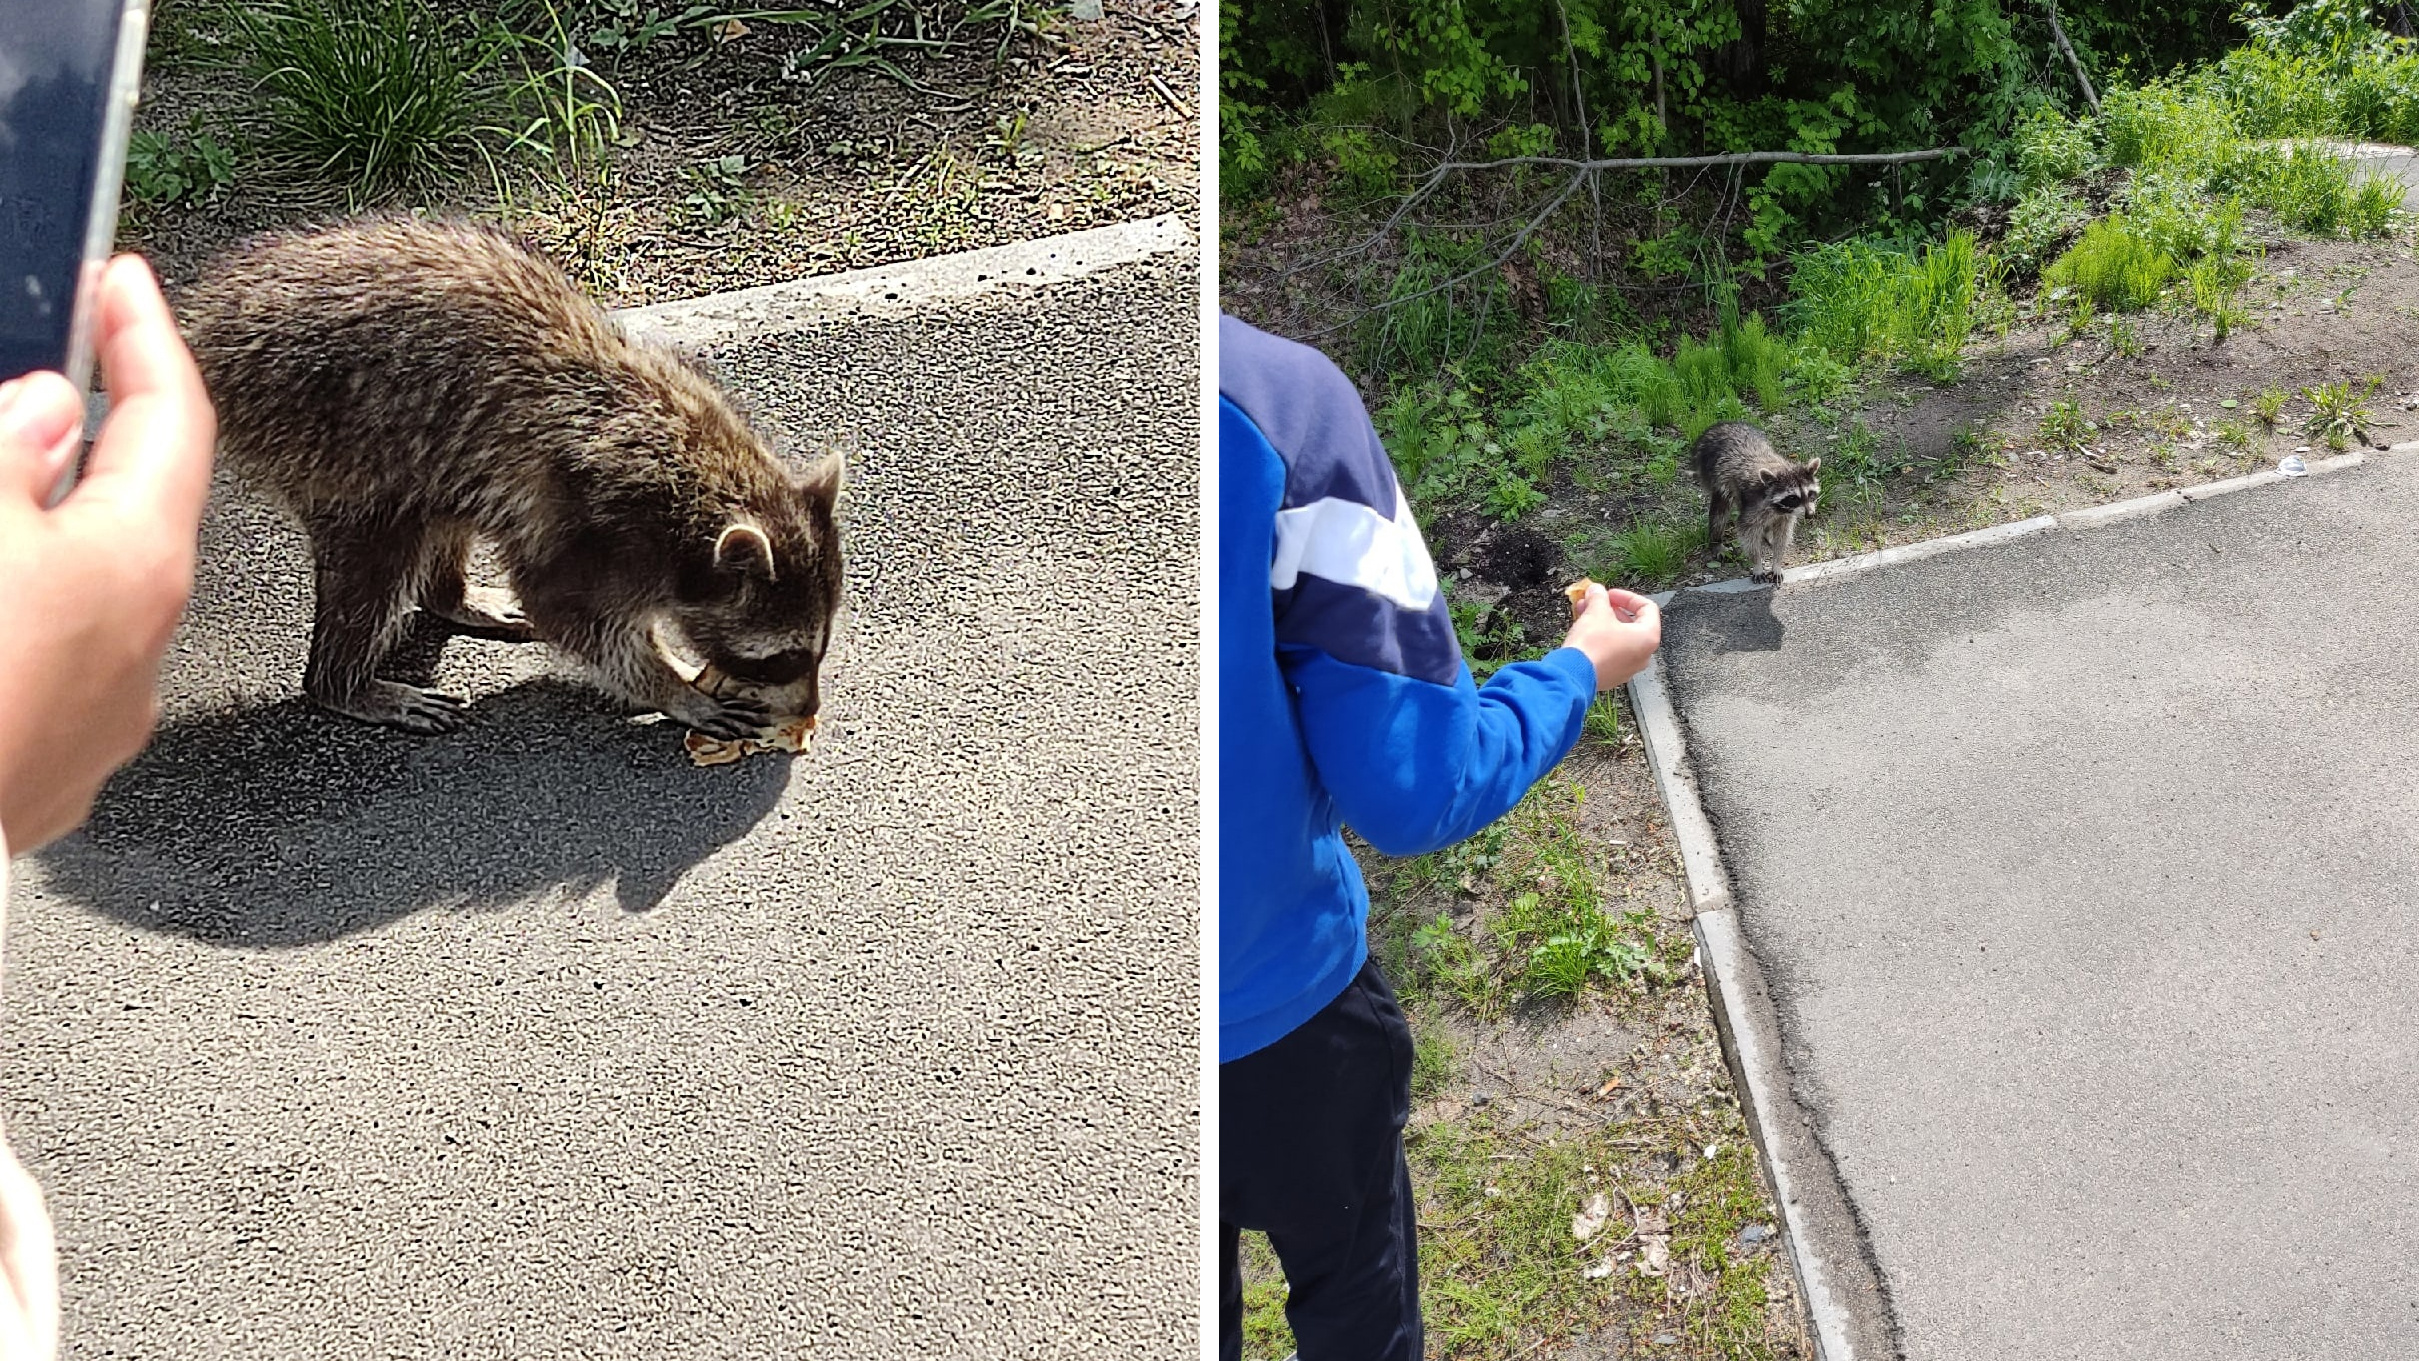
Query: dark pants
{"x": 1310, "y": 1152}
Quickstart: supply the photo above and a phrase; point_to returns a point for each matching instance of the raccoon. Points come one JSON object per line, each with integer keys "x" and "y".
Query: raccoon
{"x": 1743, "y": 473}
{"x": 409, "y": 388}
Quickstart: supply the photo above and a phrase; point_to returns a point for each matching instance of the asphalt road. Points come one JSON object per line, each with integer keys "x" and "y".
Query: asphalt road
{"x": 2081, "y": 868}
{"x": 536, "y": 1041}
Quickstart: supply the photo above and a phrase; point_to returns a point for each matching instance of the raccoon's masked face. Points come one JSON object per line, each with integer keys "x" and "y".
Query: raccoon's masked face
{"x": 762, "y": 604}
{"x": 1798, "y": 493}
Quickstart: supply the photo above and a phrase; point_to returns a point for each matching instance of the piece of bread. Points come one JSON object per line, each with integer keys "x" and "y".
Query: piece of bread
{"x": 1577, "y": 591}
{"x": 792, "y": 735}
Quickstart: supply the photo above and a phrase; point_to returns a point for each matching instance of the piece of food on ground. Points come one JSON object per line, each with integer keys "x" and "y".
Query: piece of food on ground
{"x": 793, "y": 736}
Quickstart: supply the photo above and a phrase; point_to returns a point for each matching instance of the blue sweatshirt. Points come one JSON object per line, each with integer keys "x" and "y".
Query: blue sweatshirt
{"x": 1342, "y": 694}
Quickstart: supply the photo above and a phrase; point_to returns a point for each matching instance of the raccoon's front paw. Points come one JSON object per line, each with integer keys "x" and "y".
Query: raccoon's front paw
{"x": 423, "y": 713}
{"x": 728, "y": 716}
{"x": 1765, "y": 576}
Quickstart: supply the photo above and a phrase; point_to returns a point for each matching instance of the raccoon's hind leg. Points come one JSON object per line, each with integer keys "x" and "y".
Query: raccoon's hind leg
{"x": 366, "y": 580}
{"x": 446, "y": 592}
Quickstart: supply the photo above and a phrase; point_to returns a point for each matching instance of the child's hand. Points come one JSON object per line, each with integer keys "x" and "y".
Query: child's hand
{"x": 1618, "y": 630}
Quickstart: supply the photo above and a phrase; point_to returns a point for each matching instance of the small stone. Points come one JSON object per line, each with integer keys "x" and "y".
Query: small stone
{"x": 1667, "y": 1339}
{"x": 1754, "y": 1233}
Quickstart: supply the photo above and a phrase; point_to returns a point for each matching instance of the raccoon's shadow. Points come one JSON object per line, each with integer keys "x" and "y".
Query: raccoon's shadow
{"x": 282, "y": 825}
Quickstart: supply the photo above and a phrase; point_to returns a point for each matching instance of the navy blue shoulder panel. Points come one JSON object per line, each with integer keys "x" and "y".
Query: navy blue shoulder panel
{"x": 1310, "y": 414}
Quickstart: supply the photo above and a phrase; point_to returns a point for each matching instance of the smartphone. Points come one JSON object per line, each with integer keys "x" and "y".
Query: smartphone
{"x": 69, "y": 72}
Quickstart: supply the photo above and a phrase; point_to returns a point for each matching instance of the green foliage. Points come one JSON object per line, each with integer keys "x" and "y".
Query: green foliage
{"x": 2052, "y": 148}
{"x": 2115, "y": 267}
{"x": 2269, "y": 405}
{"x": 1867, "y": 301}
{"x": 1654, "y": 554}
{"x": 1427, "y": 319}
{"x": 2337, "y": 412}
{"x": 2041, "y": 224}
{"x": 372, "y": 95}
{"x": 2374, "y": 203}
{"x": 164, "y": 170}
{"x": 2064, "y": 426}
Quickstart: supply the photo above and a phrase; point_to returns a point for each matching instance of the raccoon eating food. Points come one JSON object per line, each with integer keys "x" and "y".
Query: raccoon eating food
{"x": 408, "y": 388}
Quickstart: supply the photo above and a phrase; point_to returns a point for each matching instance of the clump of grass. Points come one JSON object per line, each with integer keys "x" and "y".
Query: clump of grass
{"x": 2371, "y": 212}
{"x": 2064, "y": 426}
{"x": 2114, "y": 267}
{"x": 2269, "y": 405}
{"x": 1653, "y": 553}
{"x": 1865, "y": 301}
{"x": 2234, "y": 435}
{"x": 2217, "y": 284}
{"x": 2337, "y": 412}
{"x": 372, "y": 95}
{"x": 2123, "y": 338}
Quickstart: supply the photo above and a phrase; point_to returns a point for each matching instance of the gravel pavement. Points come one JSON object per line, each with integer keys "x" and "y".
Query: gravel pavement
{"x": 2080, "y": 868}
{"x": 536, "y": 1041}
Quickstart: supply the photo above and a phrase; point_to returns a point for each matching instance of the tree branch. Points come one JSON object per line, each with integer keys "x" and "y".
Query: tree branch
{"x": 1520, "y": 239}
{"x": 2058, "y": 31}
{"x": 1687, "y": 162}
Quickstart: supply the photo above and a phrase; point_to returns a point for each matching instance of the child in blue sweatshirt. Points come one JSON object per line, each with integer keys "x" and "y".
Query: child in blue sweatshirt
{"x": 1343, "y": 699}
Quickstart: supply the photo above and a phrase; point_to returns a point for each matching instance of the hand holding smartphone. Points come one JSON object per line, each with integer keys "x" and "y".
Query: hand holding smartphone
{"x": 69, "y": 74}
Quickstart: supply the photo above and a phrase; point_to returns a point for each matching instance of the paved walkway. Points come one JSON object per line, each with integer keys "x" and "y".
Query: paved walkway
{"x": 2082, "y": 870}
{"x": 536, "y": 1041}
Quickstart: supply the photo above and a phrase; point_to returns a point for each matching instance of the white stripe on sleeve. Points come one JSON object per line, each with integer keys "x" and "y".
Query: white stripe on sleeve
{"x": 1350, "y": 544}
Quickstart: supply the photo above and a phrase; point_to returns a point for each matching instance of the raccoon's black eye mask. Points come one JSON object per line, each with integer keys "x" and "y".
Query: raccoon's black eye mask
{"x": 1792, "y": 501}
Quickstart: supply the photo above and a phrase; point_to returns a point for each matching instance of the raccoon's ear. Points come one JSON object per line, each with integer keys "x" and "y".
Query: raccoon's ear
{"x": 823, "y": 481}
{"x": 742, "y": 547}
{"x": 1815, "y": 464}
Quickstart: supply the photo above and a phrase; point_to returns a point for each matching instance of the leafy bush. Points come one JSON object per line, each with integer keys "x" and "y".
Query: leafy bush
{"x": 2052, "y": 148}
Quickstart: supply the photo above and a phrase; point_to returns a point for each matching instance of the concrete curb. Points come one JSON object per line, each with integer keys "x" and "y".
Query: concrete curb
{"x": 1817, "y": 1219}
{"x": 1750, "y": 1034}
{"x": 908, "y": 287}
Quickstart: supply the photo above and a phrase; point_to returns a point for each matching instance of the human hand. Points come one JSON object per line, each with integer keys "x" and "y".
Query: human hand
{"x": 91, "y": 591}
{"x": 1618, "y": 630}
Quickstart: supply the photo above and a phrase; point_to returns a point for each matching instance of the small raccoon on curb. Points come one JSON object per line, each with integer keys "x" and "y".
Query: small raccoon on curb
{"x": 409, "y": 387}
{"x": 1743, "y": 473}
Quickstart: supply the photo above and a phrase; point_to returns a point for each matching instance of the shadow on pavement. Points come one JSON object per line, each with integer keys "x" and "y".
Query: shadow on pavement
{"x": 1740, "y": 621}
{"x": 278, "y": 824}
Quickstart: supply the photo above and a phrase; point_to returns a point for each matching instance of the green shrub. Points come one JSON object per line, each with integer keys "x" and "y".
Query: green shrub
{"x": 2041, "y": 224}
{"x": 2115, "y": 267}
{"x": 2051, "y": 148}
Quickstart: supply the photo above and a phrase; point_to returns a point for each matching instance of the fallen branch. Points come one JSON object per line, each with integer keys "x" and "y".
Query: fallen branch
{"x": 1691, "y": 162}
{"x": 2058, "y": 31}
{"x": 1457, "y": 280}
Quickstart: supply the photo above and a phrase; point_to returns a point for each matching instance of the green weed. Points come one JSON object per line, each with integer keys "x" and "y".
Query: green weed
{"x": 2064, "y": 426}
{"x": 2113, "y": 267}
{"x": 1653, "y": 553}
{"x": 163, "y": 170}
{"x": 2269, "y": 406}
{"x": 2337, "y": 412}
{"x": 2374, "y": 203}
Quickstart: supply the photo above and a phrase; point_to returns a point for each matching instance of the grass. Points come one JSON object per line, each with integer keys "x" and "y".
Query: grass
{"x": 1867, "y": 302}
{"x": 372, "y": 95}
{"x": 2114, "y": 267}
{"x": 384, "y": 97}
{"x": 2338, "y": 412}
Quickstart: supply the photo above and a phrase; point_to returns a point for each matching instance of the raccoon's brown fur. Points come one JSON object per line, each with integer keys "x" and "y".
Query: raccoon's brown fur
{"x": 409, "y": 387}
{"x": 1743, "y": 473}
